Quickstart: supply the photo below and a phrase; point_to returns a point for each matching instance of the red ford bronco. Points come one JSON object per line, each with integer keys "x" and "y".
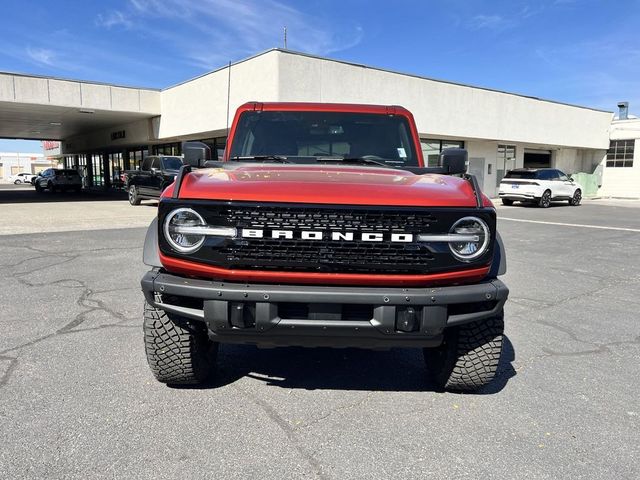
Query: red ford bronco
{"x": 321, "y": 226}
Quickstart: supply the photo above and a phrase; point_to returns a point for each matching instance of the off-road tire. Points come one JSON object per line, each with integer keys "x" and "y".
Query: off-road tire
{"x": 576, "y": 199}
{"x": 134, "y": 197}
{"x": 469, "y": 356}
{"x": 179, "y": 352}
{"x": 507, "y": 202}
{"x": 545, "y": 199}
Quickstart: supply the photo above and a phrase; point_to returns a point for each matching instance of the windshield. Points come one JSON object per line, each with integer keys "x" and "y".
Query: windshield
{"x": 308, "y": 136}
{"x": 521, "y": 174}
{"x": 171, "y": 163}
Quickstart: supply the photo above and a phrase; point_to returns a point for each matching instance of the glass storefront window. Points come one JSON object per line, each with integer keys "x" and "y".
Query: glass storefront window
{"x": 431, "y": 149}
{"x": 116, "y": 168}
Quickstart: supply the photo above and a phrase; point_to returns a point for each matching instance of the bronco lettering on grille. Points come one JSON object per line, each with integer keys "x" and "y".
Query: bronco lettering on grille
{"x": 325, "y": 235}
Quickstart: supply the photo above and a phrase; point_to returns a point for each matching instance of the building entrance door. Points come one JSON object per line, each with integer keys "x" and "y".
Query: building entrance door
{"x": 505, "y": 161}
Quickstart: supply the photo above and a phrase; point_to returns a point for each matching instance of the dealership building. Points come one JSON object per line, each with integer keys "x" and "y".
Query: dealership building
{"x": 105, "y": 129}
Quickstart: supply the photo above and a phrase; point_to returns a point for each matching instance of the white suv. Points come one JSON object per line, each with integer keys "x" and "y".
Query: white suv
{"x": 19, "y": 178}
{"x": 540, "y": 186}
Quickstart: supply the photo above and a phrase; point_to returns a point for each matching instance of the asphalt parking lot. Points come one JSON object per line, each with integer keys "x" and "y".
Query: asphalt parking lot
{"x": 78, "y": 401}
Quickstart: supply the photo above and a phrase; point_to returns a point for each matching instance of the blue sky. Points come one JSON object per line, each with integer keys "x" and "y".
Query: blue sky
{"x": 585, "y": 52}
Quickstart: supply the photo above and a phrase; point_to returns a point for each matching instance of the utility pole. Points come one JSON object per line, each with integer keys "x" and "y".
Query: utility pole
{"x": 285, "y": 37}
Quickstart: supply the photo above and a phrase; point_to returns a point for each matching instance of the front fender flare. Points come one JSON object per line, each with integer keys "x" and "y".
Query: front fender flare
{"x": 499, "y": 263}
{"x": 150, "y": 255}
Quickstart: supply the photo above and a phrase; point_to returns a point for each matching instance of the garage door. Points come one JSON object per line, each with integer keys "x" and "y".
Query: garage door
{"x": 537, "y": 158}
{"x": 15, "y": 169}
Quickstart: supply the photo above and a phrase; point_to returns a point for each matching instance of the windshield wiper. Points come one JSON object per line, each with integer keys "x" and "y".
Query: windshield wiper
{"x": 259, "y": 158}
{"x": 364, "y": 160}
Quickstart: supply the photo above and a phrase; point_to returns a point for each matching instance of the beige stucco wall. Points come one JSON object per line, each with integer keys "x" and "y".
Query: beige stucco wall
{"x": 200, "y": 105}
{"x": 443, "y": 108}
{"x": 28, "y": 89}
{"x": 623, "y": 181}
{"x": 140, "y": 132}
{"x": 482, "y": 118}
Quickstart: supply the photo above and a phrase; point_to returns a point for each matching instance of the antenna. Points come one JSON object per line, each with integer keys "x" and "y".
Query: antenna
{"x": 228, "y": 94}
{"x": 285, "y": 37}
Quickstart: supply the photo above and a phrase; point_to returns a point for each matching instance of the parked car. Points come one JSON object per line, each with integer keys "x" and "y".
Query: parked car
{"x": 155, "y": 174}
{"x": 540, "y": 186}
{"x": 22, "y": 177}
{"x": 53, "y": 179}
{"x": 368, "y": 248}
{"x": 35, "y": 177}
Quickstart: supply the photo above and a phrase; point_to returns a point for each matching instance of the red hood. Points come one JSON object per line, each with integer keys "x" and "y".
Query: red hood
{"x": 343, "y": 185}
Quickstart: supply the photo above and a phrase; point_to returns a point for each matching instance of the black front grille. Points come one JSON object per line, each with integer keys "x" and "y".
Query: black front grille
{"x": 272, "y": 254}
{"x": 327, "y": 255}
{"x": 340, "y": 219}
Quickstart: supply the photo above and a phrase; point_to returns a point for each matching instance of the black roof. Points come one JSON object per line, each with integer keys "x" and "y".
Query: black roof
{"x": 531, "y": 169}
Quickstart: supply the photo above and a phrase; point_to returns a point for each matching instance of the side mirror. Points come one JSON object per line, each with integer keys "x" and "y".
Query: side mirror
{"x": 154, "y": 170}
{"x": 196, "y": 153}
{"x": 454, "y": 160}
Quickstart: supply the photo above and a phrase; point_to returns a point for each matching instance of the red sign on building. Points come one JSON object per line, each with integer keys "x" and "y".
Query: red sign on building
{"x": 50, "y": 145}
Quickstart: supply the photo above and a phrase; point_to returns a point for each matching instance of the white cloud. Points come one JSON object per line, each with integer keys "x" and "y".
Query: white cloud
{"x": 490, "y": 22}
{"x": 41, "y": 55}
{"x": 113, "y": 19}
{"x": 220, "y": 30}
{"x": 598, "y": 72}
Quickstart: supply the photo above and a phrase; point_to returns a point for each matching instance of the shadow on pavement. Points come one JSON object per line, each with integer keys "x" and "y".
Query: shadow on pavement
{"x": 340, "y": 369}
{"x": 26, "y": 194}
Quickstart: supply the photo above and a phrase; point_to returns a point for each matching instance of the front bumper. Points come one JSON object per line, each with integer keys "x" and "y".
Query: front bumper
{"x": 263, "y": 314}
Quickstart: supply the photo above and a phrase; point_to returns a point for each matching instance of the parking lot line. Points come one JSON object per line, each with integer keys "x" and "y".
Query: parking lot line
{"x": 579, "y": 225}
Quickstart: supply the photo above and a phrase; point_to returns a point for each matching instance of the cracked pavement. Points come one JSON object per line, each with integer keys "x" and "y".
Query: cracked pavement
{"x": 78, "y": 401}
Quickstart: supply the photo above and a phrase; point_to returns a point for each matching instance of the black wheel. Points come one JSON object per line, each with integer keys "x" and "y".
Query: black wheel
{"x": 17, "y": 182}
{"x": 507, "y": 202}
{"x": 50, "y": 187}
{"x": 576, "y": 199}
{"x": 469, "y": 356}
{"x": 545, "y": 199}
{"x": 179, "y": 351}
{"x": 38, "y": 188}
{"x": 134, "y": 198}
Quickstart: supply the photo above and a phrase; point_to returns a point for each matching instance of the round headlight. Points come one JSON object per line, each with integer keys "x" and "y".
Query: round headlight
{"x": 468, "y": 250}
{"x": 177, "y": 226}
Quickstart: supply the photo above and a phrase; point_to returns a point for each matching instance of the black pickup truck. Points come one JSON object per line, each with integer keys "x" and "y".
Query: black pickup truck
{"x": 153, "y": 176}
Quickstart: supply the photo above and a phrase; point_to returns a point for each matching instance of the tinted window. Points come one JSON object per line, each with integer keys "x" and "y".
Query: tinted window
{"x": 68, "y": 172}
{"x": 156, "y": 163}
{"x": 547, "y": 174}
{"x": 305, "y": 135}
{"x": 521, "y": 174}
{"x": 171, "y": 163}
{"x": 146, "y": 163}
